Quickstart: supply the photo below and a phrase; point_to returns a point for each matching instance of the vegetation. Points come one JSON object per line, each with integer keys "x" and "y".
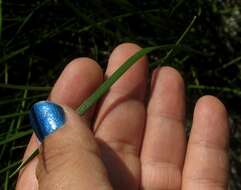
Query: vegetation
{"x": 38, "y": 38}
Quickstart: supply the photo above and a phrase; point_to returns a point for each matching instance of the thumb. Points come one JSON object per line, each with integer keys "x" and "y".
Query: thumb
{"x": 69, "y": 155}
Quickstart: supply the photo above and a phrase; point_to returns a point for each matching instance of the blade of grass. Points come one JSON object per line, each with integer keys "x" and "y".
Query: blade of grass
{"x": 10, "y": 166}
{"x": 49, "y": 35}
{"x": 11, "y": 115}
{"x": 216, "y": 88}
{"x": 178, "y": 4}
{"x": 10, "y": 152}
{"x": 114, "y": 77}
{"x": 7, "y": 101}
{"x": 234, "y": 61}
{"x": 77, "y": 12}
{"x": 6, "y": 73}
{"x": 19, "y": 147}
{"x": 23, "y": 163}
{"x": 25, "y": 21}
{"x": 13, "y": 54}
{"x": 22, "y": 87}
{"x": 6, "y": 136}
{"x": 6, "y": 180}
{"x": 66, "y": 26}
{"x": 15, "y": 130}
{"x": 115, "y": 19}
{"x": 178, "y": 42}
{"x": 16, "y": 136}
{"x": 123, "y": 3}
{"x": 195, "y": 77}
{"x": 85, "y": 18}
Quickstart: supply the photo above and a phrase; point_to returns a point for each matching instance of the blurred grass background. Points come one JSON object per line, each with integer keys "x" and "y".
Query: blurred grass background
{"x": 38, "y": 38}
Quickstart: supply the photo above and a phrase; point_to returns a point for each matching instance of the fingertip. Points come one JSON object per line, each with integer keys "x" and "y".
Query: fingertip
{"x": 126, "y": 47}
{"x": 121, "y": 53}
{"x": 210, "y": 105}
{"x": 77, "y": 81}
{"x": 134, "y": 81}
{"x": 210, "y": 122}
{"x": 87, "y": 64}
{"x": 172, "y": 77}
{"x": 211, "y": 109}
{"x": 167, "y": 90}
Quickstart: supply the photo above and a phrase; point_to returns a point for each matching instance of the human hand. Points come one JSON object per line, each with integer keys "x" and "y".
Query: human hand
{"x": 126, "y": 143}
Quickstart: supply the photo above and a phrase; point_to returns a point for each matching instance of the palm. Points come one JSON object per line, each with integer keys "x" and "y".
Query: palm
{"x": 143, "y": 145}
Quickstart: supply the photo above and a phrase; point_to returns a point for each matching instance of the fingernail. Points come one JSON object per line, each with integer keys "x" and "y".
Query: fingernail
{"x": 45, "y": 118}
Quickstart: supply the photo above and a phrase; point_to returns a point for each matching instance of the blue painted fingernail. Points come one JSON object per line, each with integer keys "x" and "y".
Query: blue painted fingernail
{"x": 45, "y": 118}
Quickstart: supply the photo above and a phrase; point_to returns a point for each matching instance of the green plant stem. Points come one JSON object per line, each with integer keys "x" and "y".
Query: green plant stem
{"x": 13, "y": 54}
{"x": 16, "y": 136}
{"x": 8, "y": 101}
{"x": 11, "y": 115}
{"x": 9, "y": 167}
{"x": 232, "y": 62}
{"x": 115, "y": 76}
{"x": 178, "y": 4}
{"x": 33, "y": 155}
{"x": 222, "y": 89}
{"x": 177, "y": 44}
{"x": 180, "y": 39}
{"x": 22, "y": 87}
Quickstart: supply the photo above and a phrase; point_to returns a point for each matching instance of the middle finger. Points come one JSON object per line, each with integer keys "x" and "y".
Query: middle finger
{"x": 121, "y": 120}
{"x": 164, "y": 145}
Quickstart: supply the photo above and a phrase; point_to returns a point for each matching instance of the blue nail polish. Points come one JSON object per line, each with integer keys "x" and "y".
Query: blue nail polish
{"x": 45, "y": 118}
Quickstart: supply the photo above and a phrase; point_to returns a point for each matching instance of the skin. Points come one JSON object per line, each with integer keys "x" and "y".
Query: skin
{"x": 134, "y": 143}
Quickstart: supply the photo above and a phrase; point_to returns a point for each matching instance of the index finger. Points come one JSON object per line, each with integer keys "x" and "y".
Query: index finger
{"x": 78, "y": 80}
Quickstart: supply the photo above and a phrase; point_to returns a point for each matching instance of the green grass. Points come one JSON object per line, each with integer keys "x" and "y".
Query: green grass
{"x": 39, "y": 39}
